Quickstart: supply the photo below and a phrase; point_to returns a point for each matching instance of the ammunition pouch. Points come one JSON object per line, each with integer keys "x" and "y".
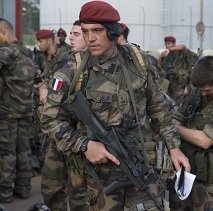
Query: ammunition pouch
{"x": 158, "y": 158}
{"x": 151, "y": 152}
{"x": 201, "y": 162}
{"x": 1, "y": 86}
{"x": 76, "y": 169}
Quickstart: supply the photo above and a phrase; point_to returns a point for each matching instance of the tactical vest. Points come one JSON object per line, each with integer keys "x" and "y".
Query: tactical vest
{"x": 141, "y": 69}
{"x": 49, "y": 67}
{"x": 201, "y": 160}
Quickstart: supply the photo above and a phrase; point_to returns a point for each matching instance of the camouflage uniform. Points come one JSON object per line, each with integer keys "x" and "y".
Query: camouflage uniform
{"x": 201, "y": 196}
{"x": 17, "y": 71}
{"x": 104, "y": 85}
{"x": 178, "y": 71}
{"x": 54, "y": 171}
{"x": 65, "y": 47}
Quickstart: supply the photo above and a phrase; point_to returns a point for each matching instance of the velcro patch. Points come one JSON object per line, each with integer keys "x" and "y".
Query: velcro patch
{"x": 57, "y": 83}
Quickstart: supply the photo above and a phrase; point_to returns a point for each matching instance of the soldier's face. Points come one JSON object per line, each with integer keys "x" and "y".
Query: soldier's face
{"x": 76, "y": 39}
{"x": 62, "y": 38}
{"x": 207, "y": 90}
{"x": 43, "y": 44}
{"x": 95, "y": 36}
{"x": 169, "y": 44}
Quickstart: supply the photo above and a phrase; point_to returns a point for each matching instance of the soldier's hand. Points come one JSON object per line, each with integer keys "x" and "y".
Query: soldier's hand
{"x": 97, "y": 153}
{"x": 165, "y": 53}
{"x": 179, "y": 158}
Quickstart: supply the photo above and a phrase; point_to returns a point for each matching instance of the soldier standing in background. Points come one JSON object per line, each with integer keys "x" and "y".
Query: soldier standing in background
{"x": 123, "y": 39}
{"x": 54, "y": 171}
{"x": 17, "y": 73}
{"x": 76, "y": 195}
{"x": 62, "y": 38}
{"x": 76, "y": 38}
{"x": 194, "y": 121}
{"x": 175, "y": 63}
{"x": 109, "y": 94}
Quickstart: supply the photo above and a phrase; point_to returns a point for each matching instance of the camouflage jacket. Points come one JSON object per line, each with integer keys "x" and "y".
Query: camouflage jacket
{"x": 65, "y": 47}
{"x": 17, "y": 69}
{"x": 106, "y": 89}
{"x": 178, "y": 70}
{"x": 49, "y": 67}
{"x": 202, "y": 117}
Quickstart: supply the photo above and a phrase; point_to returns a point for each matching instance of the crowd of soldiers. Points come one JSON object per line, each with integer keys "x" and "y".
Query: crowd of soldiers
{"x": 106, "y": 124}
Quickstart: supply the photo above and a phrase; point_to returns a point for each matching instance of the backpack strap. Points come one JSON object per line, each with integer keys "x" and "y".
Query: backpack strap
{"x": 137, "y": 59}
{"x": 78, "y": 73}
{"x": 126, "y": 75}
{"x": 78, "y": 62}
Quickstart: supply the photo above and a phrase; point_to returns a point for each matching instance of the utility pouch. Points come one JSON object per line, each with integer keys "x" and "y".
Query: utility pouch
{"x": 190, "y": 151}
{"x": 151, "y": 152}
{"x": 76, "y": 169}
{"x": 167, "y": 164}
{"x": 201, "y": 166}
{"x": 1, "y": 86}
{"x": 210, "y": 174}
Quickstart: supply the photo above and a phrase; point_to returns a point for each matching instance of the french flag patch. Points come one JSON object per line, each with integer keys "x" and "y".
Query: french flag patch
{"x": 57, "y": 83}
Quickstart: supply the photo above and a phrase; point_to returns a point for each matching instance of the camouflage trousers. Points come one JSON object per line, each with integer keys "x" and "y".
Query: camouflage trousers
{"x": 200, "y": 198}
{"x": 56, "y": 186}
{"x": 15, "y": 156}
{"x": 39, "y": 144}
{"x": 123, "y": 199}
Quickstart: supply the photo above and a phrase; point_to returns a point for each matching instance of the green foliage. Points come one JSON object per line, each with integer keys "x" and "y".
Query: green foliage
{"x": 30, "y": 15}
{"x": 29, "y": 39}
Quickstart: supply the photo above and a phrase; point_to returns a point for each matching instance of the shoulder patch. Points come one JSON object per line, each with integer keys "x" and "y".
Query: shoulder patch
{"x": 57, "y": 83}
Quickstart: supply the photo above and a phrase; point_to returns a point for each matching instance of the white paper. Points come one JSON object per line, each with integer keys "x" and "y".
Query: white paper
{"x": 186, "y": 188}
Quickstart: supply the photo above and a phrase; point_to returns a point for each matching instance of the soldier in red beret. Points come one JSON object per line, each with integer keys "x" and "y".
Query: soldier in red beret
{"x": 44, "y": 34}
{"x": 175, "y": 62}
{"x": 54, "y": 181}
{"x": 62, "y": 38}
{"x": 169, "y": 39}
{"x": 120, "y": 92}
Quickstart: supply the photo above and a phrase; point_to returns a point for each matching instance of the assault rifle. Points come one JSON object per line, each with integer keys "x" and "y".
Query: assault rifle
{"x": 132, "y": 166}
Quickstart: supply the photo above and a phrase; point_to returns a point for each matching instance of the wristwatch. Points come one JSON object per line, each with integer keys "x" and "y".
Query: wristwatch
{"x": 83, "y": 147}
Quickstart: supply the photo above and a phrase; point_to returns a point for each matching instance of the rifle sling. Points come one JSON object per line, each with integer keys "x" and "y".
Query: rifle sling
{"x": 78, "y": 72}
{"x": 126, "y": 75}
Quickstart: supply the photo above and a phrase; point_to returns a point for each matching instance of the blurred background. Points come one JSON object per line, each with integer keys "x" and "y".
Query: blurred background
{"x": 149, "y": 21}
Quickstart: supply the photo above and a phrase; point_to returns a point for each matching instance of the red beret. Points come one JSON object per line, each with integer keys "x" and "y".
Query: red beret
{"x": 43, "y": 34}
{"x": 169, "y": 39}
{"x": 98, "y": 11}
{"x": 62, "y": 31}
{"x": 123, "y": 27}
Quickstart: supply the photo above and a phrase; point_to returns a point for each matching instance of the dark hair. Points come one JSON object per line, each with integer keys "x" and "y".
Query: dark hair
{"x": 77, "y": 22}
{"x": 126, "y": 32}
{"x": 6, "y": 24}
{"x": 202, "y": 74}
